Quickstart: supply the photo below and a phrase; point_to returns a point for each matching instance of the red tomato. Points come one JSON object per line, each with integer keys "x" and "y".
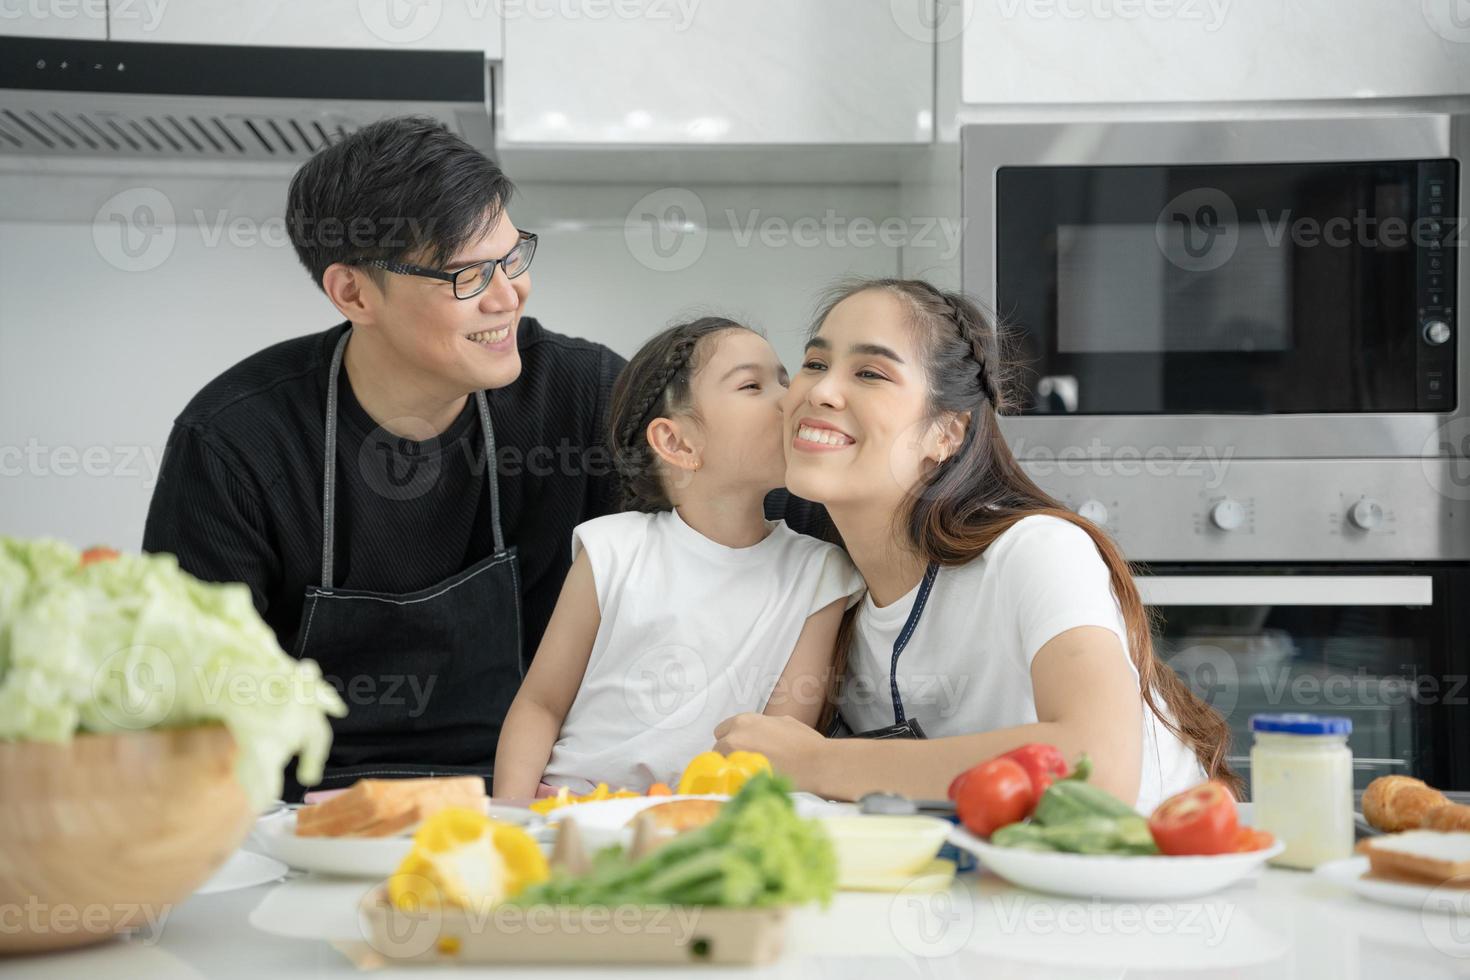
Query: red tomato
{"x": 1251, "y": 839}
{"x": 1042, "y": 762}
{"x": 1197, "y": 821}
{"x": 992, "y": 795}
{"x": 98, "y": 553}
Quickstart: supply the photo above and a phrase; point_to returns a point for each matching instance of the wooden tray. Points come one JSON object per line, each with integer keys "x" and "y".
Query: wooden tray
{"x": 566, "y": 934}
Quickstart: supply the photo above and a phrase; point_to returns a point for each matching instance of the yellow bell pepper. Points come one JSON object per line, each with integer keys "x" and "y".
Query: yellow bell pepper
{"x": 712, "y": 773}
{"x": 564, "y": 797}
{"x": 463, "y": 858}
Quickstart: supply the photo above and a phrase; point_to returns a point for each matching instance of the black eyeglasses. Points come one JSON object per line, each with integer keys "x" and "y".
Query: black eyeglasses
{"x": 472, "y": 280}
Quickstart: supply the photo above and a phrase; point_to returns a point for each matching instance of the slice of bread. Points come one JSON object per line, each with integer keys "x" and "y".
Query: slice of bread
{"x": 1422, "y": 856}
{"x": 380, "y": 807}
{"x": 393, "y": 823}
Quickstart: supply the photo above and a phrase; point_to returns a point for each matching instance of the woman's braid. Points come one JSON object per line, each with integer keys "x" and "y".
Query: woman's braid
{"x": 964, "y": 324}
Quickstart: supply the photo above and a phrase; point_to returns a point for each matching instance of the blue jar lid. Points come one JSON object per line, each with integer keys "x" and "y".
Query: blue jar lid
{"x": 1300, "y": 724}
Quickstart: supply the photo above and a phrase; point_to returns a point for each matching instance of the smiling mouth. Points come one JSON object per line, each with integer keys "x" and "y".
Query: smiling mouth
{"x": 491, "y": 337}
{"x": 823, "y": 437}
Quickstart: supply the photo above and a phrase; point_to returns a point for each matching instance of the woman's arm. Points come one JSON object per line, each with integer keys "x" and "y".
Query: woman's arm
{"x": 801, "y": 690}
{"x": 1086, "y": 701}
{"x": 535, "y": 717}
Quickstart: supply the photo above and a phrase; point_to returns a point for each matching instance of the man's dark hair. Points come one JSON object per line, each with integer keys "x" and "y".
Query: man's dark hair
{"x": 401, "y": 189}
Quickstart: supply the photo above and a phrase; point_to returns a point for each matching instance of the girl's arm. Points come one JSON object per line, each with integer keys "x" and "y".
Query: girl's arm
{"x": 534, "y": 720}
{"x": 1086, "y": 701}
{"x": 801, "y": 690}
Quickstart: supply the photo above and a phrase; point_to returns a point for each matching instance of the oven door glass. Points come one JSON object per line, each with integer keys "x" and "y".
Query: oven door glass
{"x": 1384, "y": 647}
{"x": 1222, "y": 289}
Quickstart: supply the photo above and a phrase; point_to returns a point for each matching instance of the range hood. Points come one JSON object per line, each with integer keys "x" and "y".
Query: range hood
{"x": 148, "y": 100}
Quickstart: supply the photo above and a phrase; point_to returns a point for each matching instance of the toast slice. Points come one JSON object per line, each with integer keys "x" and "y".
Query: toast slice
{"x": 1426, "y": 857}
{"x": 380, "y": 807}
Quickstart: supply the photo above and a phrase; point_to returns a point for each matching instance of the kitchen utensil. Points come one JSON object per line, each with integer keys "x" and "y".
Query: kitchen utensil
{"x": 897, "y": 805}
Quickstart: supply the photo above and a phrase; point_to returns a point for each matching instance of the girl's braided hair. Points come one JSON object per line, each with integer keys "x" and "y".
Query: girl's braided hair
{"x": 657, "y": 381}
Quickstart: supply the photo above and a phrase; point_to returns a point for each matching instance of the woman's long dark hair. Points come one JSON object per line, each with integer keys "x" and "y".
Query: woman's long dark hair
{"x": 657, "y": 381}
{"x": 966, "y": 502}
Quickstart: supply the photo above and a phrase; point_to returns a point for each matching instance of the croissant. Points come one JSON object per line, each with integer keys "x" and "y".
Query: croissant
{"x": 1448, "y": 817}
{"x": 1395, "y": 803}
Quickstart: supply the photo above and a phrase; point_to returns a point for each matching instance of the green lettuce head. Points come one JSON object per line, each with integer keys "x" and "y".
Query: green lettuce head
{"x": 133, "y": 643}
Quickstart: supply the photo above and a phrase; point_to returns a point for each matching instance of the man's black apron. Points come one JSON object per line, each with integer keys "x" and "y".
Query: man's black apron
{"x": 427, "y": 676}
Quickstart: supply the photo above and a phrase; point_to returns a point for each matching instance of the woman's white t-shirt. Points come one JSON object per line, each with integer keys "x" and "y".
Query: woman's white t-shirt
{"x": 692, "y": 632}
{"x": 967, "y": 665}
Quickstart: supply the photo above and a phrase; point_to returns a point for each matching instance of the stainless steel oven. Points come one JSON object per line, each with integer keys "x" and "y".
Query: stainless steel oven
{"x": 1289, "y": 287}
{"x": 1375, "y": 643}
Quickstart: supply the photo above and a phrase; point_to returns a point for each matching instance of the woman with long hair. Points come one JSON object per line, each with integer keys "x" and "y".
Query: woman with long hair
{"x": 994, "y": 616}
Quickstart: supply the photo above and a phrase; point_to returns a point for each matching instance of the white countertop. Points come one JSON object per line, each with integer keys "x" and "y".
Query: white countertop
{"x": 1278, "y": 924}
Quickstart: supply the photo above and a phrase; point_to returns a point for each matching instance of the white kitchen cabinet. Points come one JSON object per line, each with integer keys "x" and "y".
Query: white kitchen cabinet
{"x": 414, "y": 24}
{"x": 1094, "y": 51}
{"x": 716, "y": 71}
{"x": 83, "y": 20}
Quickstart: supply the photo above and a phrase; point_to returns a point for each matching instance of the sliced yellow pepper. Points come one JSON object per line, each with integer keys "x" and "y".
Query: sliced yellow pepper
{"x": 712, "y": 773}
{"x": 461, "y": 857}
{"x": 564, "y": 797}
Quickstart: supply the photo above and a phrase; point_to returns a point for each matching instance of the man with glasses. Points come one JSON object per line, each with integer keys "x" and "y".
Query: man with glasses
{"x": 342, "y": 475}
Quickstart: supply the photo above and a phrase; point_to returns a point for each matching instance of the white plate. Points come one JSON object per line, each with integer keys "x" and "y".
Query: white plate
{"x": 1125, "y": 877}
{"x": 244, "y": 869}
{"x": 1348, "y": 872}
{"x": 604, "y": 814}
{"x": 357, "y": 857}
{"x": 615, "y": 814}
{"x": 605, "y": 822}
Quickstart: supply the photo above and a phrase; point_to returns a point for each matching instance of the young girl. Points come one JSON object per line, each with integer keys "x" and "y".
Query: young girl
{"x": 689, "y": 606}
{"x": 995, "y": 616}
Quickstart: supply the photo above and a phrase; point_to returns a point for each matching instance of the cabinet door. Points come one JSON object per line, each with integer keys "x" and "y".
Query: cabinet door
{"x": 84, "y": 20}
{"x": 1089, "y": 51}
{"x": 426, "y": 24}
{"x": 716, "y": 71}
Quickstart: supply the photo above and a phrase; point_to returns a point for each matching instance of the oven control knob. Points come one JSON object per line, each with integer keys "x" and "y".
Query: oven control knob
{"x": 1366, "y": 514}
{"x": 1436, "y": 332}
{"x": 1228, "y": 514}
{"x": 1095, "y": 511}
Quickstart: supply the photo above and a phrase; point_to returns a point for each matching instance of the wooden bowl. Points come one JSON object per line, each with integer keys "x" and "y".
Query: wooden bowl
{"x": 105, "y": 833}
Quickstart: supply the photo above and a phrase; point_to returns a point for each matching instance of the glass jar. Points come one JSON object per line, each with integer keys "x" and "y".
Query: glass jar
{"x": 1302, "y": 786}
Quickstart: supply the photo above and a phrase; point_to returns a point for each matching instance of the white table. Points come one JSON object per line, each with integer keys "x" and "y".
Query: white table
{"x": 1280, "y": 924}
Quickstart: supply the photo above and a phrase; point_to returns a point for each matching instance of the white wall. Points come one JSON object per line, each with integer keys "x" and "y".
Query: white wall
{"x": 96, "y": 357}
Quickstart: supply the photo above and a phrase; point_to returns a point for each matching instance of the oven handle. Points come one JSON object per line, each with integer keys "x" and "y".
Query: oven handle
{"x": 1286, "y": 590}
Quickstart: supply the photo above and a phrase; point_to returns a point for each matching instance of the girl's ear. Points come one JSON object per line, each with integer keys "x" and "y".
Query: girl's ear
{"x": 668, "y": 440}
{"x": 946, "y": 436}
